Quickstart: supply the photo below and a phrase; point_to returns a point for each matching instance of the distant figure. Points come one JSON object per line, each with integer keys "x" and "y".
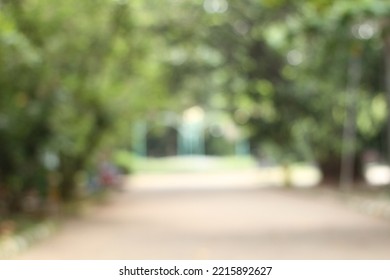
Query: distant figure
{"x": 109, "y": 174}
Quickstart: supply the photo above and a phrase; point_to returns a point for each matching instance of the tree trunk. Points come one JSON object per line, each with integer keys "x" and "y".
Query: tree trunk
{"x": 72, "y": 165}
{"x": 387, "y": 81}
{"x": 331, "y": 170}
{"x": 67, "y": 184}
{"x": 348, "y": 156}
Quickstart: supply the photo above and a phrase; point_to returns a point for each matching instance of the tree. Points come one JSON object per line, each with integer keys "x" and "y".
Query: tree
{"x": 69, "y": 83}
{"x": 344, "y": 67}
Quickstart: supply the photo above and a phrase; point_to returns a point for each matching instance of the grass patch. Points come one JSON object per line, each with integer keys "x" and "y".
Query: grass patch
{"x": 191, "y": 164}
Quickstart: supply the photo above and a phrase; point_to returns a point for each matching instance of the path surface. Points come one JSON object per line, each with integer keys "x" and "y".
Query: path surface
{"x": 217, "y": 216}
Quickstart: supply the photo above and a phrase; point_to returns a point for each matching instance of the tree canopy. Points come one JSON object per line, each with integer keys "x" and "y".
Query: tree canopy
{"x": 75, "y": 76}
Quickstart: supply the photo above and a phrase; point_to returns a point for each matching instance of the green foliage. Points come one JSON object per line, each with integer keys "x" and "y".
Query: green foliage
{"x": 69, "y": 83}
{"x": 76, "y": 75}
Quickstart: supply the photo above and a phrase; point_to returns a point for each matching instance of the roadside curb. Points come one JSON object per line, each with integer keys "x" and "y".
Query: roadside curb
{"x": 374, "y": 207}
{"x": 12, "y": 245}
{"x": 368, "y": 203}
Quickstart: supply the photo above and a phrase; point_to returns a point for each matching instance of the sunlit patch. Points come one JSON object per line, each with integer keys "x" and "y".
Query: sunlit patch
{"x": 294, "y": 57}
{"x": 365, "y": 30}
{"x": 241, "y": 27}
{"x": 50, "y": 160}
{"x": 215, "y": 6}
{"x": 305, "y": 176}
{"x": 177, "y": 56}
{"x": 377, "y": 174}
{"x": 194, "y": 114}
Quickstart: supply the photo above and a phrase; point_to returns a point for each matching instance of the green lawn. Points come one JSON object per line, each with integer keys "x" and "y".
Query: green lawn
{"x": 183, "y": 164}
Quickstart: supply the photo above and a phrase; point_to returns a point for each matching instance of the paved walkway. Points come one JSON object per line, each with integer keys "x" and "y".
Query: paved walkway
{"x": 217, "y": 216}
